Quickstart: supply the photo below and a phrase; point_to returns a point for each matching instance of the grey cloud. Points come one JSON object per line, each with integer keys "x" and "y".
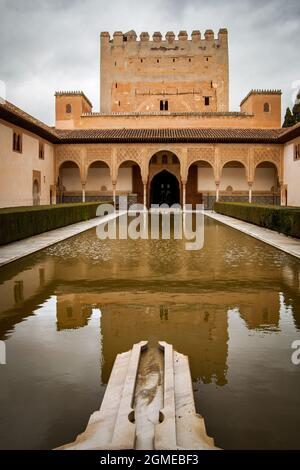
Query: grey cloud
{"x": 46, "y": 45}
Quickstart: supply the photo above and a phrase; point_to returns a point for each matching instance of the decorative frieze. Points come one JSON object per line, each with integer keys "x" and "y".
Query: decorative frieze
{"x": 98, "y": 153}
{"x": 206, "y": 154}
{"x": 238, "y": 153}
{"x": 266, "y": 154}
{"x": 65, "y": 153}
{"x": 134, "y": 154}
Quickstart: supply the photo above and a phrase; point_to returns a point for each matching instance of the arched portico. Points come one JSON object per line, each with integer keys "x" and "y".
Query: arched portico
{"x": 164, "y": 188}
{"x": 200, "y": 187}
{"x": 238, "y": 171}
{"x": 266, "y": 186}
{"x": 129, "y": 182}
{"x": 164, "y": 181}
{"x": 98, "y": 181}
{"x": 234, "y": 182}
{"x": 69, "y": 188}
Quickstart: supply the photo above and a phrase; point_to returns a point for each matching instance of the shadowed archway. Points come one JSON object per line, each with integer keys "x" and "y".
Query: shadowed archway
{"x": 164, "y": 189}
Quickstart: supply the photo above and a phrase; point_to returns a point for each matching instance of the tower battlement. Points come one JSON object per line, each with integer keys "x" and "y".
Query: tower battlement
{"x": 183, "y": 73}
{"x": 119, "y": 38}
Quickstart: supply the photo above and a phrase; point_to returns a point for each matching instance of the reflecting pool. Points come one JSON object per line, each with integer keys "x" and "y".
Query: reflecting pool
{"x": 232, "y": 307}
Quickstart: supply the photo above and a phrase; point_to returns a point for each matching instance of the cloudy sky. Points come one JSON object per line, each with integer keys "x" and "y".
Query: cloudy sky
{"x": 49, "y": 45}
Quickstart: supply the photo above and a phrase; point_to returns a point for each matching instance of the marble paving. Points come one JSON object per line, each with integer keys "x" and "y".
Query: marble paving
{"x": 21, "y": 248}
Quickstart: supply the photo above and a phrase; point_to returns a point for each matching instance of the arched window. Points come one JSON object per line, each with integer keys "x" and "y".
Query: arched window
{"x": 164, "y": 105}
{"x": 164, "y": 159}
{"x": 17, "y": 142}
{"x": 266, "y": 108}
{"x": 41, "y": 151}
{"x": 68, "y": 108}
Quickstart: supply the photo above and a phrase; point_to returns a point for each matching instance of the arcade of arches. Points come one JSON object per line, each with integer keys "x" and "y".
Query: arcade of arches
{"x": 175, "y": 174}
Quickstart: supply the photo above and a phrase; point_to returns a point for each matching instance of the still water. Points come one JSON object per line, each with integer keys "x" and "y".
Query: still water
{"x": 232, "y": 307}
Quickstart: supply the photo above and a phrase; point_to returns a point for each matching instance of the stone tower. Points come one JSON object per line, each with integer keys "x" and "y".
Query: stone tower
{"x": 176, "y": 75}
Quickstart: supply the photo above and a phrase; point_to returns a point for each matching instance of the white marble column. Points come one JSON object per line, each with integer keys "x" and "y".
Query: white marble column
{"x": 217, "y": 190}
{"x": 114, "y": 185}
{"x": 282, "y": 195}
{"x": 83, "y": 192}
{"x": 145, "y": 195}
{"x": 183, "y": 195}
{"x": 250, "y": 191}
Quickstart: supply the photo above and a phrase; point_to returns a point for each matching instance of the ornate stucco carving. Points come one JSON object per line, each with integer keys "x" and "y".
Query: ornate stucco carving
{"x": 206, "y": 154}
{"x": 94, "y": 154}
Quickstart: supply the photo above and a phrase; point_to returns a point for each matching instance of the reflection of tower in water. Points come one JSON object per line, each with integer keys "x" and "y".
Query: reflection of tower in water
{"x": 74, "y": 311}
{"x": 198, "y": 330}
{"x": 71, "y": 313}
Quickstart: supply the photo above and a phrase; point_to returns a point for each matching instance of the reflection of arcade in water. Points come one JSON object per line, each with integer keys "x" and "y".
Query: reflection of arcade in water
{"x": 193, "y": 316}
{"x": 127, "y": 321}
{"x": 232, "y": 307}
{"x": 195, "y": 324}
{"x": 198, "y": 330}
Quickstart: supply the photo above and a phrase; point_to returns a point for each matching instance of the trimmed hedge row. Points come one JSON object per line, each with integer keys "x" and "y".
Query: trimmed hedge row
{"x": 280, "y": 218}
{"x": 17, "y": 223}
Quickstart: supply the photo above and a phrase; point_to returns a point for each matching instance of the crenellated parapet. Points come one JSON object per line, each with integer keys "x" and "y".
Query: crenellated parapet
{"x": 119, "y": 38}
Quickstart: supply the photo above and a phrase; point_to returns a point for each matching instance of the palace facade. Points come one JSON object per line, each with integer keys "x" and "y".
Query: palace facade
{"x": 164, "y": 127}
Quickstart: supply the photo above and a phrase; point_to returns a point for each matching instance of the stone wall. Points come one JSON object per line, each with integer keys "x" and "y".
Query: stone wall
{"x": 291, "y": 174}
{"x": 19, "y": 169}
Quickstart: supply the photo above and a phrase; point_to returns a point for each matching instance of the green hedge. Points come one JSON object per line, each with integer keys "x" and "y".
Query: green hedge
{"x": 17, "y": 223}
{"x": 280, "y": 218}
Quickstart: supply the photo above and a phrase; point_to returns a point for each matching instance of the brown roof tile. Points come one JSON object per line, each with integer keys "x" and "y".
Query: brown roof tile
{"x": 74, "y": 93}
{"x": 170, "y": 135}
{"x": 261, "y": 92}
{"x": 17, "y": 116}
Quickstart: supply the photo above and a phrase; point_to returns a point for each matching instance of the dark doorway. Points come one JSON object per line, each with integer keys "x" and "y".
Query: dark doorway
{"x": 164, "y": 189}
